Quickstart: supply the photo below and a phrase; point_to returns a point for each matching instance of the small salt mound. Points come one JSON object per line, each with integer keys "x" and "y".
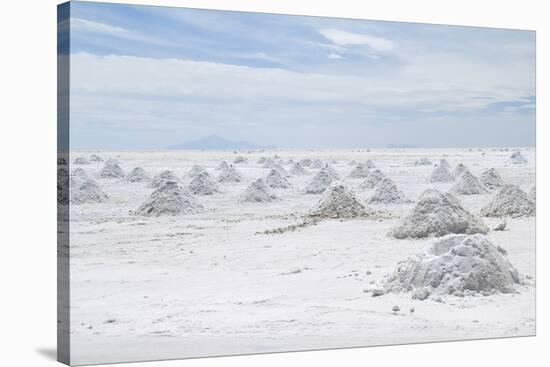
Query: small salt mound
{"x": 298, "y": 170}
{"x": 195, "y": 170}
{"x": 258, "y": 192}
{"x": 111, "y": 170}
{"x": 533, "y": 194}
{"x": 306, "y": 162}
{"x": 444, "y": 162}
{"x": 510, "y": 201}
{"x": 460, "y": 169}
{"x": 332, "y": 172}
{"x": 81, "y": 160}
{"x": 441, "y": 174}
{"x": 518, "y": 158}
{"x": 240, "y": 160}
{"x": 230, "y": 175}
{"x": 386, "y": 192}
{"x": 282, "y": 171}
{"x": 373, "y": 179}
{"x": 468, "y": 184}
{"x": 162, "y": 178}
{"x": 320, "y": 182}
{"x": 340, "y": 202}
{"x": 95, "y": 158}
{"x": 62, "y": 186}
{"x": 317, "y": 163}
{"x": 360, "y": 171}
{"x": 423, "y": 162}
{"x": 80, "y": 173}
{"x": 87, "y": 192}
{"x": 438, "y": 214}
{"x": 269, "y": 163}
{"x": 138, "y": 174}
{"x": 170, "y": 199}
{"x": 222, "y": 166}
{"x": 353, "y": 162}
{"x": 261, "y": 160}
{"x": 276, "y": 181}
{"x": 290, "y": 161}
{"x": 203, "y": 184}
{"x": 112, "y": 161}
{"x": 456, "y": 265}
{"x": 491, "y": 179}
{"x": 370, "y": 163}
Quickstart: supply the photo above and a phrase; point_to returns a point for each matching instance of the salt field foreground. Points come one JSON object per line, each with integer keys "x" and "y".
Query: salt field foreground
{"x": 241, "y": 259}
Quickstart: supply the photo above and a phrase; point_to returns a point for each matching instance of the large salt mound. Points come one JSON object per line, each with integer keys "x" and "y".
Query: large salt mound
{"x": 240, "y": 159}
{"x": 456, "y": 265}
{"x": 276, "y": 181}
{"x": 518, "y": 158}
{"x": 386, "y": 192}
{"x": 230, "y": 175}
{"x": 298, "y": 170}
{"x": 317, "y": 163}
{"x": 111, "y": 170}
{"x": 138, "y": 174}
{"x": 441, "y": 174}
{"x": 170, "y": 199}
{"x": 162, "y": 178}
{"x": 87, "y": 192}
{"x": 491, "y": 179}
{"x": 423, "y": 162}
{"x": 373, "y": 179}
{"x": 510, "y": 201}
{"x": 360, "y": 171}
{"x": 438, "y": 214}
{"x": 258, "y": 192}
{"x": 203, "y": 184}
{"x": 222, "y": 166}
{"x": 460, "y": 169}
{"x": 533, "y": 194}
{"x": 81, "y": 160}
{"x": 340, "y": 202}
{"x": 195, "y": 170}
{"x": 468, "y": 184}
{"x": 370, "y": 163}
{"x": 320, "y": 182}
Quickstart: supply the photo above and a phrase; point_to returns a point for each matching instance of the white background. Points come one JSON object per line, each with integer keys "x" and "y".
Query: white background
{"x": 28, "y": 181}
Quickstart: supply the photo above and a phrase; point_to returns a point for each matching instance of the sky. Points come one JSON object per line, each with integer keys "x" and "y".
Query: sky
{"x": 145, "y": 77}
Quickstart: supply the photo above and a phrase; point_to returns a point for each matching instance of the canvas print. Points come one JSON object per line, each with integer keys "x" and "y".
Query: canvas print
{"x": 236, "y": 183}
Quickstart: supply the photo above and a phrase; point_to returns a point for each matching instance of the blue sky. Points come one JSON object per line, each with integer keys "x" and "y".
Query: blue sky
{"x": 146, "y": 77}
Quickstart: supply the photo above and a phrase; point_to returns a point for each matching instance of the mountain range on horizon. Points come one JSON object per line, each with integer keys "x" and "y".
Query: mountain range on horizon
{"x": 216, "y": 142}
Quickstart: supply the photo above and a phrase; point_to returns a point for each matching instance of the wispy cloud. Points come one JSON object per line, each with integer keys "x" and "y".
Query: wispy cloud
{"x": 334, "y": 56}
{"x": 344, "y": 38}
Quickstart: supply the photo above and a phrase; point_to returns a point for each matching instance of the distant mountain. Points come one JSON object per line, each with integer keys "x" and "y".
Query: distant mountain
{"x": 215, "y": 142}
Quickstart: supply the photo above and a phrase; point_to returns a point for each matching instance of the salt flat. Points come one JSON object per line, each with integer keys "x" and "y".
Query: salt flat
{"x": 213, "y": 284}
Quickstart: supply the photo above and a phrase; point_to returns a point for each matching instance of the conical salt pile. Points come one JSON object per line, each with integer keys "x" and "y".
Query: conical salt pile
{"x": 510, "y": 201}
{"x": 370, "y": 164}
{"x": 444, "y": 162}
{"x": 533, "y": 194}
{"x": 261, "y": 160}
{"x": 317, "y": 163}
{"x": 111, "y": 170}
{"x": 276, "y": 181}
{"x": 230, "y": 175}
{"x": 518, "y": 158}
{"x": 240, "y": 160}
{"x": 457, "y": 265}
{"x": 373, "y": 179}
{"x": 468, "y": 184}
{"x": 269, "y": 163}
{"x": 491, "y": 179}
{"x": 339, "y": 202}
{"x": 203, "y": 184}
{"x": 162, "y": 178}
{"x": 95, "y": 158}
{"x": 441, "y": 174}
{"x": 170, "y": 199}
{"x": 282, "y": 171}
{"x": 332, "y": 172}
{"x": 438, "y": 214}
{"x": 138, "y": 174}
{"x": 386, "y": 192}
{"x": 258, "y": 192}
{"x": 306, "y": 162}
{"x": 222, "y": 166}
{"x": 87, "y": 192}
{"x": 423, "y": 162}
{"x": 320, "y": 182}
{"x": 195, "y": 170}
{"x": 459, "y": 169}
{"x": 360, "y": 171}
{"x": 81, "y": 160}
{"x": 298, "y": 170}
